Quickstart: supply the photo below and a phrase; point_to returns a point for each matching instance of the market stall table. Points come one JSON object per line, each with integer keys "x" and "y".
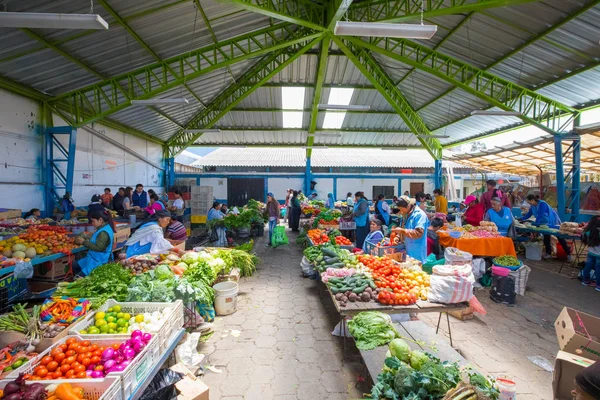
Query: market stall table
{"x": 578, "y": 246}
{"x": 482, "y": 247}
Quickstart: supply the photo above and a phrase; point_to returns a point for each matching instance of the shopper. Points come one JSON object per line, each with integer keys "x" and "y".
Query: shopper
{"x": 591, "y": 238}
{"x": 474, "y": 213}
{"x": 433, "y": 239}
{"x": 440, "y": 202}
{"x": 178, "y": 207}
{"x": 361, "y": 218}
{"x": 382, "y": 210}
{"x": 149, "y": 237}
{"x": 492, "y": 192}
{"x": 100, "y": 245}
{"x": 33, "y": 214}
{"x": 313, "y": 196}
{"x": 421, "y": 202}
{"x": 501, "y": 216}
{"x": 273, "y": 214}
{"x": 288, "y": 207}
{"x": 330, "y": 203}
{"x": 406, "y": 193}
{"x": 67, "y": 206}
{"x": 545, "y": 215}
{"x": 176, "y": 230}
{"x": 295, "y": 212}
{"x": 349, "y": 200}
{"x": 127, "y": 204}
{"x": 374, "y": 237}
{"x": 107, "y": 198}
{"x": 155, "y": 204}
{"x": 587, "y": 383}
{"x": 413, "y": 229}
{"x": 118, "y": 201}
{"x": 139, "y": 198}
{"x": 215, "y": 212}
{"x": 95, "y": 205}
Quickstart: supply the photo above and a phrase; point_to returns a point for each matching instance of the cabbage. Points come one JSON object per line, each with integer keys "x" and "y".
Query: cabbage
{"x": 163, "y": 272}
{"x": 418, "y": 359}
{"x": 400, "y": 349}
{"x": 190, "y": 258}
{"x": 182, "y": 265}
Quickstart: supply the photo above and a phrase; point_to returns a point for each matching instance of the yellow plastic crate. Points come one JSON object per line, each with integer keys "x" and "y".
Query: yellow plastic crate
{"x": 188, "y": 232}
{"x": 198, "y": 219}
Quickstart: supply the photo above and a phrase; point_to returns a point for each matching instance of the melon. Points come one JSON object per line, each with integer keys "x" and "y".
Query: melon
{"x": 30, "y": 252}
{"x": 19, "y": 247}
{"x": 18, "y": 254}
{"x": 7, "y": 253}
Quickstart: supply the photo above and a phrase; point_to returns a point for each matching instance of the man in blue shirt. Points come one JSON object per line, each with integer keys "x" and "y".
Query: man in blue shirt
{"x": 139, "y": 197}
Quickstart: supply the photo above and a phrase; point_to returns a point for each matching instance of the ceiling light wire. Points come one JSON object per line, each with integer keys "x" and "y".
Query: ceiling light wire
{"x": 422, "y": 11}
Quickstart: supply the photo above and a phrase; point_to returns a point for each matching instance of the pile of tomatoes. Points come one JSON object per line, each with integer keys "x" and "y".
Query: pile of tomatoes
{"x": 342, "y": 241}
{"x": 318, "y": 236}
{"x": 69, "y": 360}
{"x": 397, "y": 298}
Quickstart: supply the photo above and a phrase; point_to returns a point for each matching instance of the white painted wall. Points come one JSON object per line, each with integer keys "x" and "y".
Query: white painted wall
{"x": 219, "y": 186}
{"x": 345, "y": 185}
{"x": 98, "y": 164}
{"x": 279, "y": 186}
{"x": 429, "y": 187}
{"x": 324, "y": 186}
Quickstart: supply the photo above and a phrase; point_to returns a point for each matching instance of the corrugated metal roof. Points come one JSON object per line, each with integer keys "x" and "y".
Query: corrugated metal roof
{"x": 334, "y": 158}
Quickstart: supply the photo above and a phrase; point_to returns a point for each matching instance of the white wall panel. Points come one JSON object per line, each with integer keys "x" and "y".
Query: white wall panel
{"x": 219, "y": 186}
{"x": 279, "y": 186}
{"x": 353, "y": 185}
{"x": 324, "y": 186}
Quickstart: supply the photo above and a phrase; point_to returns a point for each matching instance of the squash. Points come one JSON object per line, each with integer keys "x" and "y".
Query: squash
{"x": 18, "y": 254}
{"x": 19, "y": 247}
{"x": 30, "y": 252}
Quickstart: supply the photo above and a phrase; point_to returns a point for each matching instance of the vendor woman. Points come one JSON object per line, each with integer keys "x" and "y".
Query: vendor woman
{"x": 149, "y": 237}
{"x": 382, "y": 210}
{"x": 361, "y": 218}
{"x": 375, "y": 235}
{"x": 413, "y": 229}
{"x": 100, "y": 245}
{"x": 501, "y": 216}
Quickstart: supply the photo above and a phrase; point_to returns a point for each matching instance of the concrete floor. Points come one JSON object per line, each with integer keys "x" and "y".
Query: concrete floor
{"x": 278, "y": 344}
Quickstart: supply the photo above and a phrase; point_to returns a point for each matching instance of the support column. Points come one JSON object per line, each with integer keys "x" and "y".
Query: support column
{"x": 335, "y": 188}
{"x": 575, "y": 181}
{"x": 307, "y": 177}
{"x": 437, "y": 175}
{"x": 560, "y": 179}
{"x": 170, "y": 172}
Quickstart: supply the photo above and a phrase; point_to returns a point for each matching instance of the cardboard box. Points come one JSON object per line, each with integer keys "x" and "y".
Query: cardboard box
{"x": 192, "y": 389}
{"x": 16, "y": 287}
{"x": 6, "y": 213}
{"x": 52, "y": 270}
{"x": 565, "y": 368}
{"x": 573, "y": 338}
{"x": 121, "y": 235}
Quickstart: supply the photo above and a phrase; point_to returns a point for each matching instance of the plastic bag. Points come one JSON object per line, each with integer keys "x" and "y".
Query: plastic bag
{"x": 23, "y": 270}
{"x": 187, "y": 352}
{"x": 451, "y": 284}
{"x": 431, "y": 262}
{"x": 455, "y": 256}
{"x": 162, "y": 386}
{"x": 307, "y": 267}
{"x": 478, "y": 267}
{"x": 279, "y": 237}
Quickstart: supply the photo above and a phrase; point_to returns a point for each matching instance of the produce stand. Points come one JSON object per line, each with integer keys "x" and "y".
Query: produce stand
{"x": 482, "y": 247}
{"x": 55, "y": 256}
{"x": 578, "y": 246}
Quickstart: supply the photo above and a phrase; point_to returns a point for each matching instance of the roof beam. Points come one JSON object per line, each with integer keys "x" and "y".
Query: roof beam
{"x": 523, "y": 46}
{"x": 20, "y": 89}
{"x": 323, "y": 146}
{"x": 99, "y": 100}
{"x": 410, "y": 10}
{"x": 336, "y": 10}
{"x": 314, "y": 115}
{"x": 260, "y": 73}
{"x": 310, "y": 110}
{"x": 300, "y": 12}
{"x": 271, "y": 129}
{"x": 535, "y": 109}
{"x": 374, "y": 73}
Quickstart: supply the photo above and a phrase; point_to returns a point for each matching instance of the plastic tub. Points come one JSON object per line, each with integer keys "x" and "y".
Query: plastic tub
{"x": 108, "y": 388}
{"x": 455, "y": 234}
{"x": 226, "y": 297}
{"x": 500, "y": 271}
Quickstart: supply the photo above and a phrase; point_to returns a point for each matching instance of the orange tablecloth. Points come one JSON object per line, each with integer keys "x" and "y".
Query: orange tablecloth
{"x": 483, "y": 247}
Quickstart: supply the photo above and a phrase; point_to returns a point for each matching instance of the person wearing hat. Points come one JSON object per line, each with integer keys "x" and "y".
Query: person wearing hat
{"x": 413, "y": 229}
{"x": 501, "y": 216}
{"x": 95, "y": 206}
{"x": 587, "y": 383}
{"x": 474, "y": 212}
{"x": 273, "y": 213}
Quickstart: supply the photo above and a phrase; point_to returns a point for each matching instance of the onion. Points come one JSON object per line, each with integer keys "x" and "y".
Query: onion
{"x": 109, "y": 364}
{"x": 136, "y": 333}
{"x": 11, "y": 387}
{"x": 117, "y": 368}
{"x": 124, "y": 346}
{"x": 120, "y": 359}
{"x": 138, "y": 347}
{"x": 125, "y": 363}
{"x": 108, "y": 353}
{"x": 97, "y": 374}
{"x": 146, "y": 337}
{"x": 129, "y": 354}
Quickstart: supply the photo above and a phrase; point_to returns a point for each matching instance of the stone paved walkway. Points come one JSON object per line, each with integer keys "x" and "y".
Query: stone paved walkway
{"x": 284, "y": 349}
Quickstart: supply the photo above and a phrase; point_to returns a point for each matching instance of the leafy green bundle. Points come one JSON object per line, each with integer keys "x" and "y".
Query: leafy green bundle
{"x": 371, "y": 329}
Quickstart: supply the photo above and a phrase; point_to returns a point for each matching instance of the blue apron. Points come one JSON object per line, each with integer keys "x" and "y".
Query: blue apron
{"x": 362, "y": 220}
{"x": 417, "y": 248}
{"x": 369, "y": 239}
{"x": 383, "y": 213}
{"x": 504, "y": 222}
{"x": 96, "y": 258}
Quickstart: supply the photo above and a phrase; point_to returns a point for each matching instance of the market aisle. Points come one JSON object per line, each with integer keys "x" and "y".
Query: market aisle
{"x": 284, "y": 349}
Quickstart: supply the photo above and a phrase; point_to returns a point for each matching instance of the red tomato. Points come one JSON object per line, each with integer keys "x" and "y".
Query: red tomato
{"x": 52, "y": 365}
{"x": 59, "y": 357}
{"x": 81, "y": 375}
{"x": 46, "y": 360}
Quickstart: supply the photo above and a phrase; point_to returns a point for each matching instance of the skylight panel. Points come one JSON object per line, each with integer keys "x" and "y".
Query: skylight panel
{"x": 339, "y": 96}
{"x": 292, "y": 98}
{"x": 292, "y": 119}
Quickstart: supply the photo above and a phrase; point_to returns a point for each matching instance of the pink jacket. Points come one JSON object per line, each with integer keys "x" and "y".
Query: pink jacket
{"x": 154, "y": 207}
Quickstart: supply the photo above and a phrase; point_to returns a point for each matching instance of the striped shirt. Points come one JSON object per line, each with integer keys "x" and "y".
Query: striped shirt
{"x": 177, "y": 230}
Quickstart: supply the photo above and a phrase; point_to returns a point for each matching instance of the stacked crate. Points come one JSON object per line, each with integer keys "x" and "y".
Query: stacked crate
{"x": 200, "y": 202}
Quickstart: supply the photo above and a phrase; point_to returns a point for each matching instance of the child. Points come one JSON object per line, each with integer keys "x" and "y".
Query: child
{"x": 591, "y": 237}
{"x": 433, "y": 240}
{"x": 107, "y": 198}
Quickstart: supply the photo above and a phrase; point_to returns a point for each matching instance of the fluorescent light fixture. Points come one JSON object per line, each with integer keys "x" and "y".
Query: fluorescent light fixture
{"x": 202, "y": 130}
{"x": 154, "y": 102}
{"x": 349, "y": 107}
{"x": 500, "y": 113}
{"x": 394, "y": 148}
{"x": 51, "y": 21}
{"x": 378, "y": 29}
{"x": 433, "y": 136}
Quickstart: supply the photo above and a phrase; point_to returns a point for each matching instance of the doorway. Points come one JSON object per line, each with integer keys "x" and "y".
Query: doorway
{"x": 416, "y": 187}
{"x": 240, "y": 190}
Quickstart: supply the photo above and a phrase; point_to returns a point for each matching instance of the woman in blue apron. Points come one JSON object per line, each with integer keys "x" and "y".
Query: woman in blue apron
{"x": 413, "y": 229}
{"x": 382, "y": 210}
{"x": 330, "y": 204}
{"x": 100, "y": 245}
{"x": 149, "y": 237}
{"x": 361, "y": 217}
{"x": 500, "y": 215}
{"x": 374, "y": 237}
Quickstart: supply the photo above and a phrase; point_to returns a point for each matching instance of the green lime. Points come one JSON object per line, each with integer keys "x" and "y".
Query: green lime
{"x": 120, "y": 315}
{"x": 100, "y": 322}
{"x": 121, "y": 322}
{"x": 99, "y": 315}
{"x": 17, "y": 364}
{"x": 112, "y": 325}
{"x": 110, "y": 309}
{"x": 83, "y": 332}
{"x": 117, "y": 308}
{"x": 127, "y": 316}
{"x": 104, "y": 329}
{"x": 92, "y": 330}
{"x": 110, "y": 319}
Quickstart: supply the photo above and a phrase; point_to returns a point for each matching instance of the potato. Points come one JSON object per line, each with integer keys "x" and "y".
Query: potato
{"x": 365, "y": 296}
{"x": 344, "y": 299}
